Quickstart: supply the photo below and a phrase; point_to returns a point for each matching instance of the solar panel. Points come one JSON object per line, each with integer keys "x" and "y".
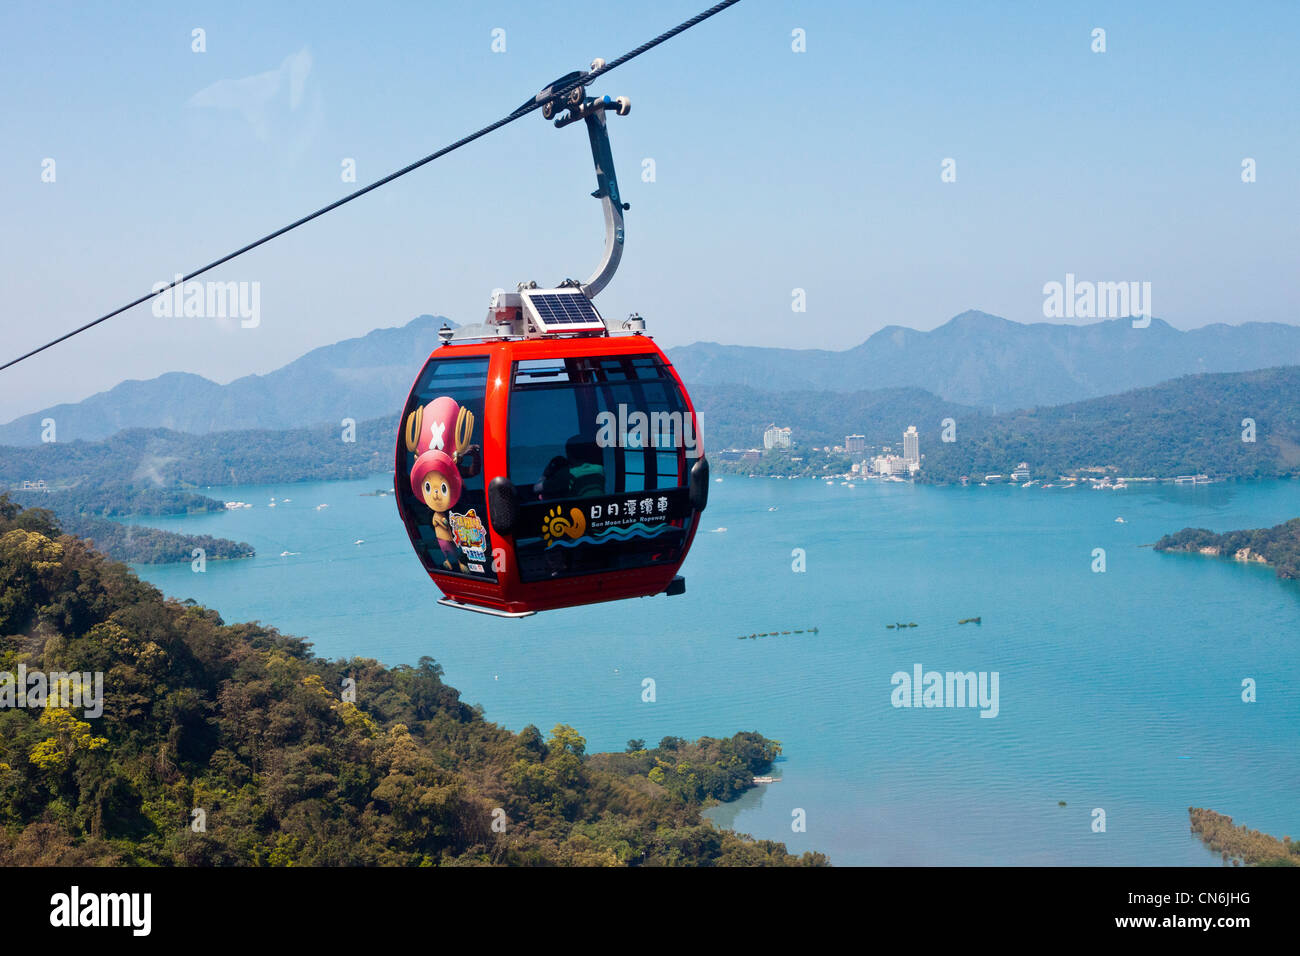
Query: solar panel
{"x": 562, "y": 310}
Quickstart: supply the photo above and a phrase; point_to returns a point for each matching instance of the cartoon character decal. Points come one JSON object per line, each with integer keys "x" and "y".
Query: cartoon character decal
{"x": 439, "y": 435}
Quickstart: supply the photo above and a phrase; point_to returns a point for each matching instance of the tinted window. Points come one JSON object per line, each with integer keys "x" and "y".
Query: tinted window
{"x": 584, "y": 432}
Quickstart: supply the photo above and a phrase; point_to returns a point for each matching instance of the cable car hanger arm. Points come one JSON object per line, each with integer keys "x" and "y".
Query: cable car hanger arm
{"x": 592, "y": 112}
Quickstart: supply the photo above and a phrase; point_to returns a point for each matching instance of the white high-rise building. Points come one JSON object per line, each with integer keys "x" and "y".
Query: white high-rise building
{"x": 911, "y": 446}
{"x": 776, "y": 437}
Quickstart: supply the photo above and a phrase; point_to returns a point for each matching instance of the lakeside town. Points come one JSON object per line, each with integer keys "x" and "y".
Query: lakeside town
{"x": 854, "y": 459}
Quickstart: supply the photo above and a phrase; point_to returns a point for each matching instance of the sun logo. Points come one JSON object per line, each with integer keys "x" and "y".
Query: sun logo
{"x": 558, "y": 526}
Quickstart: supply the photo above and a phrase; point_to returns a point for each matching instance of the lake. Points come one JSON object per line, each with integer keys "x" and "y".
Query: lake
{"x": 1118, "y": 691}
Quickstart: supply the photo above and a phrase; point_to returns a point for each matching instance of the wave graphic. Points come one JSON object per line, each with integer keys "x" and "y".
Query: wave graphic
{"x": 638, "y": 530}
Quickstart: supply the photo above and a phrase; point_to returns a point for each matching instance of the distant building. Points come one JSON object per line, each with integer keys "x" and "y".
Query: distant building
{"x": 1021, "y": 472}
{"x": 37, "y": 485}
{"x": 855, "y": 444}
{"x": 739, "y": 454}
{"x": 912, "y": 445}
{"x": 776, "y": 437}
{"x": 890, "y": 465}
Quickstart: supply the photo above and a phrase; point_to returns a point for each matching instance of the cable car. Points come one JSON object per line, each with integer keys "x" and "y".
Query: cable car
{"x": 546, "y": 459}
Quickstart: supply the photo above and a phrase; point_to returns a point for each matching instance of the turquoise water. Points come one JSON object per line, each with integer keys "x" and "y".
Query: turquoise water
{"x": 1118, "y": 690}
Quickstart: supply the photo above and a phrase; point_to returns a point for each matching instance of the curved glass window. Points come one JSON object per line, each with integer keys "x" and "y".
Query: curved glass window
{"x": 443, "y": 488}
{"x": 600, "y": 449}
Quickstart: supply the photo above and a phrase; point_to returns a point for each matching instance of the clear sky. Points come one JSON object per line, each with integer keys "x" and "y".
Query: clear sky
{"x": 774, "y": 169}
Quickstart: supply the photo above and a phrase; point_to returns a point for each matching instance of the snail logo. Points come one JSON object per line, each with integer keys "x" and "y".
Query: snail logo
{"x": 557, "y": 526}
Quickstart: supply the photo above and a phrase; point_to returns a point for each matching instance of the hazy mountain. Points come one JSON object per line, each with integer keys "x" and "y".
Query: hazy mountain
{"x": 1187, "y": 426}
{"x": 975, "y": 360}
{"x": 357, "y": 378}
{"x": 983, "y": 360}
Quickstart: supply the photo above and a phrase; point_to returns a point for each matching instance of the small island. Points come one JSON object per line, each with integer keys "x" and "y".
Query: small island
{"x": 1278, "y": 546}
{"x": 1237, "y": 844}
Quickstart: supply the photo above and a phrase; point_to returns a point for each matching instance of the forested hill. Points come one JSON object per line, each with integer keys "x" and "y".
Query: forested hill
{"x": 164, "y": 458}
{"x": 1193, "y": 425}
{"x": 85, "y": 511}
{"x": 250, "y": 729}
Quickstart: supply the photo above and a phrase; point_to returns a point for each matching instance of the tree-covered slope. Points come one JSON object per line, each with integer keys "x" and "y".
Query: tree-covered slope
{"x": 244, "y": 730}
{"x": 85, "y": 511}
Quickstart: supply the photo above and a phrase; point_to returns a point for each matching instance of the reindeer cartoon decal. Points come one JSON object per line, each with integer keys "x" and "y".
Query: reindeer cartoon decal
{"x": 439, "y": 435}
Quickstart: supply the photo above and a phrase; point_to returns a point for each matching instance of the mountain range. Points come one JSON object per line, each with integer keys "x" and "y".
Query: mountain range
{"x": 990, "y": 362}
{"x": 365, "y": 377}
{"x": 975, "y": 360}
{"x": 1230, "y": 425}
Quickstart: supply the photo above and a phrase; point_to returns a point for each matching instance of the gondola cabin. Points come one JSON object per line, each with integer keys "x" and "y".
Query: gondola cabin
{"x": 546, "y": 461}
{"x": 559, "y": 467}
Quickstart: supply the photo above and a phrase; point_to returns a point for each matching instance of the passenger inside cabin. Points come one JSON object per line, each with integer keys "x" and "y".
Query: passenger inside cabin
{"x": 586, "y": 468}
{"x": 578, "y": 473}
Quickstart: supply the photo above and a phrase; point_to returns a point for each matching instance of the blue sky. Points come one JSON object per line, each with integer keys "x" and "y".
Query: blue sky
{"x": 775, "y": 170}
